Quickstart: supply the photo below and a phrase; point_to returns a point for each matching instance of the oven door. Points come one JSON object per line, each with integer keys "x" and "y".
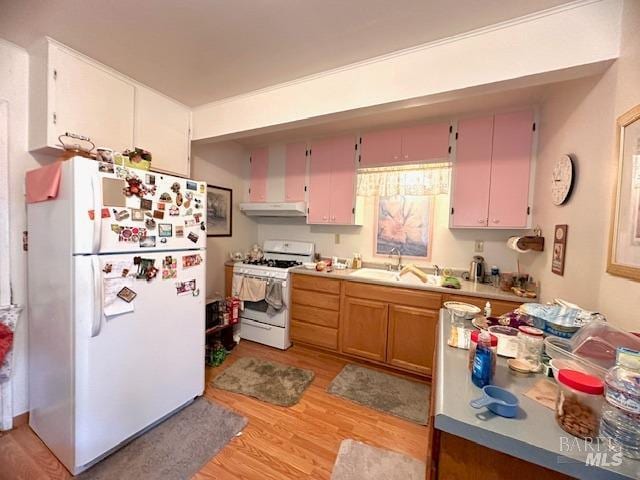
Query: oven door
{"x": 259, "y": 311}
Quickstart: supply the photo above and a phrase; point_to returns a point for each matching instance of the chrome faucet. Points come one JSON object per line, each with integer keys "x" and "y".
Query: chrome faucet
{"x": 437, "y": 270}
{"x": 395, "y": 251}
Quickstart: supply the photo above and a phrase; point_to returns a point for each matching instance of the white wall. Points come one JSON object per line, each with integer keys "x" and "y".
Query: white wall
{"x": 224, "y": 165}
{"x": 14, "y": 74}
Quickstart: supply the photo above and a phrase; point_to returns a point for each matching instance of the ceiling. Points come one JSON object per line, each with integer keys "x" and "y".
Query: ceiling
{"x": 198, "y": 51}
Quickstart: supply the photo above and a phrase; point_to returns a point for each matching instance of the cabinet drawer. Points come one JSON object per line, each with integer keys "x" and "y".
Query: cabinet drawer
{"x": 317, "y": 284}
{"x": 498, "y": 307}
{"x": 314, "y": 335}
{"x": 317, "y": 316}
{"x": 316, "y": 299}
{"x": 402, "y": 296}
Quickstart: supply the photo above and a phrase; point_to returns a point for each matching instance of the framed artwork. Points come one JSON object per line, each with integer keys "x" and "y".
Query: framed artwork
{"x": 559, "y": 249}
{"x": 404, "y": 222}
{"x": 219, "y": 211}
{"x": 624, "y": 234}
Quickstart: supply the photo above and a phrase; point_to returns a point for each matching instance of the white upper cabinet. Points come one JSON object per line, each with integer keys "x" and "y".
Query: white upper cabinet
{"x": 71, "y": 94}
{"x": 162, "y": 126}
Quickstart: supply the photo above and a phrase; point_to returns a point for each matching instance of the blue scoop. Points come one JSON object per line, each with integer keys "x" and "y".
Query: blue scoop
{"x": 498, "y": 400}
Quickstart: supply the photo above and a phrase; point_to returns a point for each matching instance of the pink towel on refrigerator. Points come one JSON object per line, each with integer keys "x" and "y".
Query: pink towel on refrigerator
{"x": 43, "y": 183}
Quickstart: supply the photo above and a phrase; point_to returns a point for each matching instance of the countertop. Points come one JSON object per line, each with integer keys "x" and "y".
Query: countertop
{"x": 533, "y": 435}
{"x": 411, "y": 281}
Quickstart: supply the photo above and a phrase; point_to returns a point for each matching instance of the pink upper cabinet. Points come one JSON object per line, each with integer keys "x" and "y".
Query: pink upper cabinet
{"x": 295, "y": 172}
{"x": 332, "y": 181}
{"x": 510, "y": 170}
{"x": 258, "y": 176}
{"x": 381, "y": 148}
{"x": 472, "y": 173}
{"x": 343, "y": 180}
{"x": 319, "y": 200}
{"x": 424, "y": 143}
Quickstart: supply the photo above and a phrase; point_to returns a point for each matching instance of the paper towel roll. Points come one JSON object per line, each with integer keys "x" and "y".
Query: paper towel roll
{"x": 512, "y": 243}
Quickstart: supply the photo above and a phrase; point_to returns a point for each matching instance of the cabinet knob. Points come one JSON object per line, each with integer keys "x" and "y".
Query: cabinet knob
{"x": 481, "y": 220}
{"x": 406, "y": 156}
{"x": 324, "y": 217}
{"x": 495, "y": 220}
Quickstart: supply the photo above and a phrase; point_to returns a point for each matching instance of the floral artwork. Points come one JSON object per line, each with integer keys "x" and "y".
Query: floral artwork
{"x": 404, "y": 222}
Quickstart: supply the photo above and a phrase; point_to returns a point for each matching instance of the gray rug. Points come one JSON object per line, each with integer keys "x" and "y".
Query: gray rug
{"x": 359, "y": 461}
{"x": 268, "y": 381}
{"x": 174, "y": 450}
{"x": 387, "y": 393}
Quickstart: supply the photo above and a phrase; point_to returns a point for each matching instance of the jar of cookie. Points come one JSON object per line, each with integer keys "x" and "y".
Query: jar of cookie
{"x": 579, "y": 403}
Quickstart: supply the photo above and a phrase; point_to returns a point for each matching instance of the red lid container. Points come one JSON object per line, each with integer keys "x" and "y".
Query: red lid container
{"x": 582, "y": 382}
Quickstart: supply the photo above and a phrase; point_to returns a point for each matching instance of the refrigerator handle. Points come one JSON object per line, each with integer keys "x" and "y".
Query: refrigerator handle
{"x": 96, "y": 321}
{"x": 97, "y": 213}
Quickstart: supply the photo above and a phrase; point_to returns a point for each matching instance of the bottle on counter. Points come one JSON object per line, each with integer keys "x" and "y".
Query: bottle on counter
{"x": 487, "y": 309}
{"x": 357, "y": 261}
{"x": 483, "y": 361}
{"x": 495, "y": 276}
{"x": 620, "y": 419}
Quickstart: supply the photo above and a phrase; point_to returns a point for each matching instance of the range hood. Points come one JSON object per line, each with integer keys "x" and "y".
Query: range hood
{"x": 274, "y": 209}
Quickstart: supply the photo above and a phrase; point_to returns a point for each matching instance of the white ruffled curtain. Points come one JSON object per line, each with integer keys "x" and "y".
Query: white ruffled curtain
{"x": 426, "y": 179}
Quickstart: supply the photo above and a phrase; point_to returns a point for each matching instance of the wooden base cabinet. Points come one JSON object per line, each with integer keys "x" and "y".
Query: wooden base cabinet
{"x": 364, "y": 328}
{"x": 411, "y": 338}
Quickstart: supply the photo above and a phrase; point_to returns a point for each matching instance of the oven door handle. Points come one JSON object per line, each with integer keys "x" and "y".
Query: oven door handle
{"x": 261, "y": 325}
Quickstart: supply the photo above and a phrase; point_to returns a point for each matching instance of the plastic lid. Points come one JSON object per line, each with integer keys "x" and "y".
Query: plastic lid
{"x": 536, "y": 332}
{"x": 628, "y": 358}
{"x": 580, "y": 381}
{"x": 476, "y": 334}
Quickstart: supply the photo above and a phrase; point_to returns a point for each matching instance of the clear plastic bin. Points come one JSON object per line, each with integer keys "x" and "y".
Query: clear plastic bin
{"x": 598, "y": 342}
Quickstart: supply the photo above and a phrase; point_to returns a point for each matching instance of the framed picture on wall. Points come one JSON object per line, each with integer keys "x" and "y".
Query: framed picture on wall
{"x": 624, "y": 234}
{"x": 404, "y": 222}
{"x": 219, "y": 211}
{"x": 559, "y": 249}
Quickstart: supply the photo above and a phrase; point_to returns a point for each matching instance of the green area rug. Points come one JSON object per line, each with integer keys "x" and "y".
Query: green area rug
{"x": 268, "y": 381}
{"x": 381, "y": 391}
{"x": 359, "y": 461}
{"x": 175, "y": 449}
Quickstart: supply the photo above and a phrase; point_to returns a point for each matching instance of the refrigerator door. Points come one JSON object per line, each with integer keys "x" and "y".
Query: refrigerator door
{"x": 134, "y": 368}
{"x": 168, "y": 214}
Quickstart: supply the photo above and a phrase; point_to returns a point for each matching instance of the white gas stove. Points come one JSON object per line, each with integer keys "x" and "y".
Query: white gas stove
{"x": 257, "y": 323}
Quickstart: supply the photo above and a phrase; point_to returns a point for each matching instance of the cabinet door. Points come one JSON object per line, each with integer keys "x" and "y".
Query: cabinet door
{"x": 320, "y": 188}
{"x": 363, "y": 328}
{"x": 258, "y": 175}
{"x": 424, "y": 143}
{"x": 162, "y": 127}
{"x": 343, "y": 180}
{"x": 380, "y": 148}
{"x": 411, "y": 339}
{"x": 510, "y": 170}
{"x": 295, "y": 171}
{"x": 472, "y": 173}
{"x": 90, "y": 101}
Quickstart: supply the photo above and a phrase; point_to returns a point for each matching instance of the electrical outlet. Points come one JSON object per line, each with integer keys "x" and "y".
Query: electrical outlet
{"x": 337, "y": 239}
{"x": 478, "y": 247}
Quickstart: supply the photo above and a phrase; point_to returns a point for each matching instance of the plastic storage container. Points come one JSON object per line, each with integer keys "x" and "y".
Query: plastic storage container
{"x": 530, "y": 344}
{"x": 561, "y": 348}
{"x": 620, "y": 423}
{"x": 598, "y": 341}
{"x": 579, "y": 403}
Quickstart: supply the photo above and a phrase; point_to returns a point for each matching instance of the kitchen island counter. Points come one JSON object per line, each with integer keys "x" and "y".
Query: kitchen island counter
{"x": 533, "y": 436}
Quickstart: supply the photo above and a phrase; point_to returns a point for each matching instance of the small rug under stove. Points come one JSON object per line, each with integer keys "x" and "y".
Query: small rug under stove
{"x": 175, "y": 449}
{"x": 359, "y": 461}
{"x": 381, "y": 391}
{"x": 271, "y": 382}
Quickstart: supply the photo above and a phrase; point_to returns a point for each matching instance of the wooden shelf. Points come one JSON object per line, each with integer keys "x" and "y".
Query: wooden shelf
{"x": 217, "y": 328}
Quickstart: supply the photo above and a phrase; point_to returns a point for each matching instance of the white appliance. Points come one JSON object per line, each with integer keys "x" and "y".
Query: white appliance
{"x": 274, "y": 209}
{"x": 256, "y": 323}
{"x": 95, "y": 380}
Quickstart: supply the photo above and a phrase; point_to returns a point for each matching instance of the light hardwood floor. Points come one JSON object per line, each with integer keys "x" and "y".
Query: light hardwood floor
{"x": 278, "y": 443}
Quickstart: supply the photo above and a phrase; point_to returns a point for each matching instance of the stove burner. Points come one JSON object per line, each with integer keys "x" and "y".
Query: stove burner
{"x": 273, "y": 263}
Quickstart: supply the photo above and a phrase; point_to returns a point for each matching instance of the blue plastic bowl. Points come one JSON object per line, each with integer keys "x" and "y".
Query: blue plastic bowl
{"x": 498, "y": 400}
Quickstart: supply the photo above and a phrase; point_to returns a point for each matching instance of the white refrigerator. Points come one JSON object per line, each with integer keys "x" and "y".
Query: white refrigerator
{"x": 113, "y": 348}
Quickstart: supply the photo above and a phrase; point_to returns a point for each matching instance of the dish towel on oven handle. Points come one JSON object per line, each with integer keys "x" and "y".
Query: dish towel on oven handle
{"x": 273, "y": 297}
{"x": 252, "y": 289}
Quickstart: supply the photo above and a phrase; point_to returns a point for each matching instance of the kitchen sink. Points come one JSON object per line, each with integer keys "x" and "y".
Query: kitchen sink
{"x": 392, "y": 276}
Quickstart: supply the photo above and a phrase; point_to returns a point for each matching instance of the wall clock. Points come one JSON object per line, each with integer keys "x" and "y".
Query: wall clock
{"x": 562, "y": 180}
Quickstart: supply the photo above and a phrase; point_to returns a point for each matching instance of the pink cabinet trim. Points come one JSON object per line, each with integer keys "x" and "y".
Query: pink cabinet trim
{"x": 258, "y": 175}
{"x": 295, "y": 172}
{"x": 510, "y": 169}
{"x": 472, "y": 173}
